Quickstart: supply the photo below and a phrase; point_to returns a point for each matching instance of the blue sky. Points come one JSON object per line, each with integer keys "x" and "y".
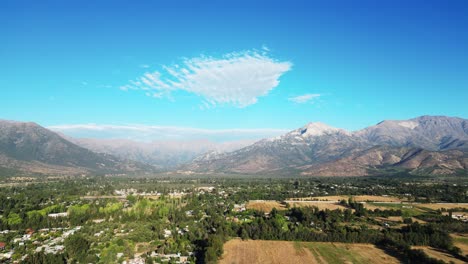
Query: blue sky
{"x": 223, "y": 65}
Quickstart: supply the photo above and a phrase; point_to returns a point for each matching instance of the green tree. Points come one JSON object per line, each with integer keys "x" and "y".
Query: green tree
{"x": 210, "y": 255}
{"x": 77, "y": 247}
{"x": 14, "y": 219}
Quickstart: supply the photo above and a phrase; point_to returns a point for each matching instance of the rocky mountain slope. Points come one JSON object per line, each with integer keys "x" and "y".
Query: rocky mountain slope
{"x": 427, "y": 144}
{"x": 30, "y": 148}
{"x": 313, "y": 143}
{"x": 427, "y": 132}
{"x": 387, "y": 160}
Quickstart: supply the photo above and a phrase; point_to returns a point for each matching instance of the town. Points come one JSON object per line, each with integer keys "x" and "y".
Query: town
{"x": 184, "y": 220}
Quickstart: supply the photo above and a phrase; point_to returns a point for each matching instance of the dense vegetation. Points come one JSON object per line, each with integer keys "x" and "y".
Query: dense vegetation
{"x": 108, "y": 220}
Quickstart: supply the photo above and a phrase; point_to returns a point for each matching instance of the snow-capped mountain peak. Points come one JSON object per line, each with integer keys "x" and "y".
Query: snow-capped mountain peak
{"x": 317, "y": 129}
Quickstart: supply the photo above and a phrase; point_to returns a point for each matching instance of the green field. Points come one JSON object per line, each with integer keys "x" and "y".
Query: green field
{"x": 407, "y": 212}
{"x": 333, "y": 253}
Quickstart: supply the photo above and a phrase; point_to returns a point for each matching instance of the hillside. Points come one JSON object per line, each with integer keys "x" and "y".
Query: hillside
{"x": 428, "y": 144}
{"x": 30, "y": 148}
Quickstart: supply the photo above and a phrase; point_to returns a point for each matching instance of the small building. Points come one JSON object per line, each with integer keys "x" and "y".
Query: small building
{"x": 2, "y": 245}
{"x": 57, "y": 215}
{"x": 29, "y": 231}
{"x": 167, "y": 233}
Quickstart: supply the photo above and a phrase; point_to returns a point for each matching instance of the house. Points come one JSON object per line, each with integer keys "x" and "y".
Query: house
{"x": 6, "y": 255}
{"x": 167, "y": 233}
{"x": 2, "y": 245}
{"x": 137, "y": 260}
{"x": 57, "y": 215}
{"x": 239, "y": 208}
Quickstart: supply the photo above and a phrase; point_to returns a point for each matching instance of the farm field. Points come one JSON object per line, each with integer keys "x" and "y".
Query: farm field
{"x": 264, "y": 205}
{"x": 437, "y": 206}
{"x": 397, "y": 219}
{"x": 437, "y": 254}
{"x": 322, "y": 205}
{"x": 332, "y": 203}
{"x": 357, "y": 198}
{"x": 237, "y": 251}
{"x": 461, "y": 241}
{"x": 407, "y": 209}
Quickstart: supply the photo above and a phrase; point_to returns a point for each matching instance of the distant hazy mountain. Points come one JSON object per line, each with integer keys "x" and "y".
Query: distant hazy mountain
{"x": 161, "y": 154}
{"x": 427, "y": 144}
{"x": 28, "y": 147}
{"x": 427, "y": 132}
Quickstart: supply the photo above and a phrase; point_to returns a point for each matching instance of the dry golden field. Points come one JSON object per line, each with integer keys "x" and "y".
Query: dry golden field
{"x": 437, "y": 254}
{"x": 357, "y": 198}
{"x": 264, "y": 205}
{"x": 436, "y": 206}
{"x": 322, "y": 205}
{"x": 237, "y": 251}
{"x": 461, "y": 241}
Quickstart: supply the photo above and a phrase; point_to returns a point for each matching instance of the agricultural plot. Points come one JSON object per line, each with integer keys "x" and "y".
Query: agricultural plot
{"x": 438, "y": 254}
{"x": 461, "y": 241}
{"x": 322, "y": 205}
{"x": 408, "y": 210}
{"x": 357, "y": 198}
{"x": 265, "y": 205}
{"x": 437, "y": 206}
{"x": 237, "y": 251}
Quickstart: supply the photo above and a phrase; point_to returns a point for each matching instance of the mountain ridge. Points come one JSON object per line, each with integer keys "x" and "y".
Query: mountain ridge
{"x": 423, "y": 145}
{"x": 30, "y": 148}
{"x": 298, "y": 150}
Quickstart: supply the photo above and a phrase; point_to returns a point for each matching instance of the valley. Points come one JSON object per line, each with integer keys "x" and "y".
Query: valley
{"x": 389, "y": 193}
{"x": 99, "y": 219}
{"x": 233, "y": 132}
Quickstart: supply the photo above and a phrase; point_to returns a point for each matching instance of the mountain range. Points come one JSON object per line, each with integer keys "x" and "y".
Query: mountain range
{"x": 423, "y": 145}
{"x": 164, "y": 155}
{"x": 429, "y": 145}
{"x": 32, "y": 149}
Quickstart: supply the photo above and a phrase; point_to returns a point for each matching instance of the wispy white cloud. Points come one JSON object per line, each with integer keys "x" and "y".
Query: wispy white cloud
{"x": 144, "y": 66}
{"x": 149, "y": 133}
{"x": 302, "y": 99}
{"x": 236, "y": 79}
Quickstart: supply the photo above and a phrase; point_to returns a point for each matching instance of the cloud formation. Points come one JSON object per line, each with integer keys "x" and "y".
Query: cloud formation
{"x": 302, "y": 99}
{"x": 141, "y": 132}
{"x": 236, "y": 79}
